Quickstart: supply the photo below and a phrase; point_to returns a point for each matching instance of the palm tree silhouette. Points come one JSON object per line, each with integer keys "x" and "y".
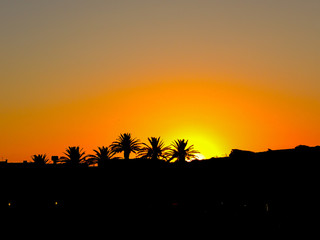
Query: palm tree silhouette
{"x": 101, "y": 155}
{"x": 74, "y": 156}
{"x": 181, "y": 152}
{"x": 40, "y": 159}
{"x": 155, "y": 151}
{"x": 126, "y": 144}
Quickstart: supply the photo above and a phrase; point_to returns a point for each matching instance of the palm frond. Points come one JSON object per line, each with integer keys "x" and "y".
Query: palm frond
{"x": 125, "y": 143}
{"x": 73, "y": 156}
{"x": 181, "y": 152}
{"x": 101, "y": 155}
{"x": 40, "y": 159}
{"x": 155, "y": 150}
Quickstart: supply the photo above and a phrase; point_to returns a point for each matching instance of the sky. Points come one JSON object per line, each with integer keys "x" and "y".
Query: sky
{"x": 222, "y": 74}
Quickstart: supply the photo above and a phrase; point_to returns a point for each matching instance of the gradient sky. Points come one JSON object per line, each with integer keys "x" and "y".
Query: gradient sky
{"x": 223, "y": 74}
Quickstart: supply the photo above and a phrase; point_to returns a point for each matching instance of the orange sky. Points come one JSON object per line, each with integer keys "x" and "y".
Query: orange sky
{"x": 223, "y": 74}
{"x": 215, "y": 117}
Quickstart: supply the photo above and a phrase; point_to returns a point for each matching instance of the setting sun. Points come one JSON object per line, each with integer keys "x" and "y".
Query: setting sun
{"x": 200, "y": 156}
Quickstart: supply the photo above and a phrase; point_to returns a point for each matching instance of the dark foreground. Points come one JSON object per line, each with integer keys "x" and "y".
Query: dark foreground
{"x": 264, "y": 196}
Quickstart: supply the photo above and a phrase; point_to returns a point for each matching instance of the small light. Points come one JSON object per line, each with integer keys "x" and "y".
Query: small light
{"x": 56, "y": 203}
{"x": 9, "y": 204}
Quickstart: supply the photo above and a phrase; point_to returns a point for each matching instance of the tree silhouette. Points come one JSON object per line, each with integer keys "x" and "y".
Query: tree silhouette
{"x": 74, "y": 156}
{"x": 126, "y": 144}
{"x": 181, "y": 152}
{"x": 155, "y": 151}
{"x": 101, "y": 155}
{"x": 40, "y": 159}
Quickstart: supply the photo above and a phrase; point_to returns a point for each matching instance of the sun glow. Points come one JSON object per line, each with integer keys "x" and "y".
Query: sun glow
{"x": 200, "y": 156}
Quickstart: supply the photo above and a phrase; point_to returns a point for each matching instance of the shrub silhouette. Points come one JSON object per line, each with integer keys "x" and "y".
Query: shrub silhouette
{"x": 126, "y": 144}
{"x": 181, "y": 152}
{"x": 155, "y": 151}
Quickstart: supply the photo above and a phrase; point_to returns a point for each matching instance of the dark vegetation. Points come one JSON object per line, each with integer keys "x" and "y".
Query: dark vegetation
{"x": 266, "y": 192}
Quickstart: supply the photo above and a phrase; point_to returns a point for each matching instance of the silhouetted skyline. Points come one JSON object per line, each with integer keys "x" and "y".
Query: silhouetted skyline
{"x": 264, "y": 193}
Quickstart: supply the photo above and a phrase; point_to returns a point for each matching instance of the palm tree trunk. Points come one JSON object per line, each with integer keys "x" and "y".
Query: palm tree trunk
{"x": 100, "y": 163}
{"x": 126, "y": 155}
{"x": 182, "y": 159}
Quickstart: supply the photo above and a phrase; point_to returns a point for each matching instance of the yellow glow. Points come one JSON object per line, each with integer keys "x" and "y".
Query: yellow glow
{"x": 200, "y": 156}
